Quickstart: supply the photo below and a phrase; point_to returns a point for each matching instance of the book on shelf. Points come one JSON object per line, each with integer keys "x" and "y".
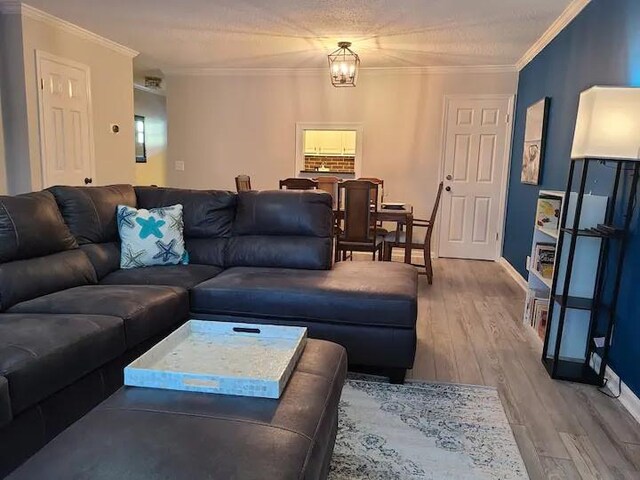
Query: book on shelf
{"x": 548, "y": 212}
{"x": 540, "y": 316}
{"x": 534, "y": 299}
{"x": 544, "y": 255}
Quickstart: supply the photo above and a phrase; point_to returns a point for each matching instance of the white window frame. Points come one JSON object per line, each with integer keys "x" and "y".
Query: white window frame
{"x": 302, "y": 126}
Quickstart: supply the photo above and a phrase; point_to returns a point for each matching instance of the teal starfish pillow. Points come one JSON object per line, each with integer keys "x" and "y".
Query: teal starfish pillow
{"x": 151, "y": 237}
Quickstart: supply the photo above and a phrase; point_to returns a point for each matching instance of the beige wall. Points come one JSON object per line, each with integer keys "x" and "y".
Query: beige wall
{"x": 222, "y": 126}
{"x": 14, "y": 106}
{"x": 112, "y": 102}
{"x": 153, "y": 108}
{"x": 112, "y": 99}
{"x": 3, "y": 172}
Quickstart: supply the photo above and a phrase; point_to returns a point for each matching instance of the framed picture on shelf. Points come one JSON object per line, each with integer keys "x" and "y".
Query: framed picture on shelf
{"x": 548, "y": 212}
{"x": 544, "y": 257}
{"x": 535, "y": 133}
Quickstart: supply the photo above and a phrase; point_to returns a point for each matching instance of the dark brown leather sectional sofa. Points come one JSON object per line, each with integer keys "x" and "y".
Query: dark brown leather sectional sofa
{"x": 71, "y": 319}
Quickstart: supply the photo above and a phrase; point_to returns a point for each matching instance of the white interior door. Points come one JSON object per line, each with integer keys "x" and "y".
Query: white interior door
{"x": 65, "y": 121}
{"x": 475, "y": 163}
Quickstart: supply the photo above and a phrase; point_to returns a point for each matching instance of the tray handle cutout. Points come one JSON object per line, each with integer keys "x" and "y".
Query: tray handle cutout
{"x": 246, "y": 330}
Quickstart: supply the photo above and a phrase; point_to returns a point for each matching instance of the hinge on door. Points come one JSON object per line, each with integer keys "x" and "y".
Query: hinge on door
{"x": 507, "y": 118}
{"x": 42, "y": 84}
{"x": 497, "y": 236}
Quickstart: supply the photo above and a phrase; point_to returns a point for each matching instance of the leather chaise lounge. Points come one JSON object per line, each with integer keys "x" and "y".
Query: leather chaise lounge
{"x": 71, "y": 319}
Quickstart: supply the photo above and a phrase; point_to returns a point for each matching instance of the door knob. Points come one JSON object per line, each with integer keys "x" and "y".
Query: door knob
{"x": 449, "y": 177}
{"x": 448, "y": 189}
{"x": 88, "y": 181}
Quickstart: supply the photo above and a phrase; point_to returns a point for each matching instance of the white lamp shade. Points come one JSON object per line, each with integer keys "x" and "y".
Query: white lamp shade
{"x": 608, "y": 124}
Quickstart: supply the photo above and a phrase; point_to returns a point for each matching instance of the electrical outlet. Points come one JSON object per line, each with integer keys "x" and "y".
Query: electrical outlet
{"x": 179, "y": 166}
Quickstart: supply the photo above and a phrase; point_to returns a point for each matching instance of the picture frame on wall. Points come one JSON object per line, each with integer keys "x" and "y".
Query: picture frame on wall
{"x": 535, "y": 134}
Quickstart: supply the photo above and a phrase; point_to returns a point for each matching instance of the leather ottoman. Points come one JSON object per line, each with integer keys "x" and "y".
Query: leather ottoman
{"x": 140, "y": 433}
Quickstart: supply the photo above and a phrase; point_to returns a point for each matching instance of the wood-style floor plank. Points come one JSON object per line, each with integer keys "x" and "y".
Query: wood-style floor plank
{"x": 532, "y": 461}
{"x": 470, "y": 331}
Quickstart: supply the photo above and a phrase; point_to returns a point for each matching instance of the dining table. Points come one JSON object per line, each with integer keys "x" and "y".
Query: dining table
{"x": 402, "y": 217}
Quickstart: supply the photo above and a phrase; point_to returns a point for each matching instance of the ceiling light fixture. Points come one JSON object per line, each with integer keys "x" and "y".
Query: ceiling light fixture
{"x": 343, "y": 66}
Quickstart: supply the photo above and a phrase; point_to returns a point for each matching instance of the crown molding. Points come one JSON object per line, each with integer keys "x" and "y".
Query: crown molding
{"x": 274, "y": 72}
{"x": 565, "y": 18}
{"x": 19, "y": 8}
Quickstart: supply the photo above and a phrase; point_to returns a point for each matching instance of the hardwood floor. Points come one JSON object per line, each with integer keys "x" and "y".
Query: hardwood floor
{"x": 470, "y": 331}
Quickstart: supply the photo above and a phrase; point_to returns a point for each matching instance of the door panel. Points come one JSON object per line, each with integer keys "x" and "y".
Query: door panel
{"x": 461, "y": 158}
{"x": 456, "y": 220}
{"x": 65, "y": 122}
{"x": 482, "y": 212}
{"x": 486, "y": 158}
{"x": 476, "y": 133}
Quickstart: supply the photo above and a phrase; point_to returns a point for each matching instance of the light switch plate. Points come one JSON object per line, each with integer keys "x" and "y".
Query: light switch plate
{"x": 179, "y": 166}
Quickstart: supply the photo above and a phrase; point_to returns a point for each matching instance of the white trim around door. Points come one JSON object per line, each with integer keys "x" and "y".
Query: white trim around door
{"x": 506, "y": 159}
{"x": 41, "y": 56}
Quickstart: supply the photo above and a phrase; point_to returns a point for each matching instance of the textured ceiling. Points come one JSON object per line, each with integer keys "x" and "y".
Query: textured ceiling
{"x": 173, "y": 34}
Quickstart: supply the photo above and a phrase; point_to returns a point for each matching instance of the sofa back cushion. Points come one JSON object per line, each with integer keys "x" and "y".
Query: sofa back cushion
{"x": 31, "y": 226}
{"x": 286, "y": 229}
{"x": 38, "y": 253}
{"x": 90, "y": 212}
{"x": 105, "y": 257}
{"x": 208, "y": 219}
{"x": 284, "y": 213}
{"x": 206, "y": 213}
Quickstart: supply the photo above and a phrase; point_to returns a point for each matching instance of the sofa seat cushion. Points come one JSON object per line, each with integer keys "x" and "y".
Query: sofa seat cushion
{"x": 146, "y": 310}
{"x": 5, "y": 403}
{"x": 141, "y": 433}
{"x": 362, "y": 293}
{"x": 41, "y": 354}
{"x": 184, "y": 276}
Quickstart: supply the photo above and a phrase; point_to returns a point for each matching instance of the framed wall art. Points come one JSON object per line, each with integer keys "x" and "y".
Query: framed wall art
{"x": 534, "y": 141}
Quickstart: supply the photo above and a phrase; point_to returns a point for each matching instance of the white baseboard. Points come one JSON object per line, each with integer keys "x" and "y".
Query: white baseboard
{"x": 628, "y": 399}
{"x": 513, "y": 273}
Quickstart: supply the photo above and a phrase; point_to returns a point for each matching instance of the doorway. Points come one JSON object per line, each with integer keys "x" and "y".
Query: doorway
{"x": 476, "y": 147}
{"x": 66, "y": 131}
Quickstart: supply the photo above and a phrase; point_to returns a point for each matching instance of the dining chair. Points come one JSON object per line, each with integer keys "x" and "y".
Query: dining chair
{"x": 243, "y": 183}
{"x": 377, "y": 198}
{"x": 298, "y": 184}
{"x": 420, "y": 239}
{"x": 354, "y": 208}
{"x": 329, "y": 185}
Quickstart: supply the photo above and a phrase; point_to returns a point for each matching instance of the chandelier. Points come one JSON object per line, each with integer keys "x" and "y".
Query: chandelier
{"x": 343, "y": 66}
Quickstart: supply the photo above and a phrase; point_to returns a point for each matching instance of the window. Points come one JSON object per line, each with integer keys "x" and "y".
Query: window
{"x": 328, "y": 148}
{"x": 141, "y": 148}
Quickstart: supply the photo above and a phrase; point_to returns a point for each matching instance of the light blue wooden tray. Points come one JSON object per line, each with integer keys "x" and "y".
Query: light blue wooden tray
{"x": 223, "y": 358}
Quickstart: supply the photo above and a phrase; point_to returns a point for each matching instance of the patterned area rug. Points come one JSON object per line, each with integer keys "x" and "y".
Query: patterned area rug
{"x": 423, "y": 431}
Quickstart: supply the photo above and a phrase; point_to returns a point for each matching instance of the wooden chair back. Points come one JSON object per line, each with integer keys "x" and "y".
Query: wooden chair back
{"x": 379, "y": 197}
{"x": 434, "y": 212}
{"x": 432, "y": 220}
{"x": 329, "y": 185}
{"x": 356, "y": 201}
{"x": 243, "y": 183}
{"x": 298, "y": 184}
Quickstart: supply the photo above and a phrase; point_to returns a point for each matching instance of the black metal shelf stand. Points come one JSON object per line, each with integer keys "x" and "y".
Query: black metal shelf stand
{"x": 582, "y": 371}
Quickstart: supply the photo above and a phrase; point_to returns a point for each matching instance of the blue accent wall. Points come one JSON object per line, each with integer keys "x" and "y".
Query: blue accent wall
{"x": 600, "y": 47}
